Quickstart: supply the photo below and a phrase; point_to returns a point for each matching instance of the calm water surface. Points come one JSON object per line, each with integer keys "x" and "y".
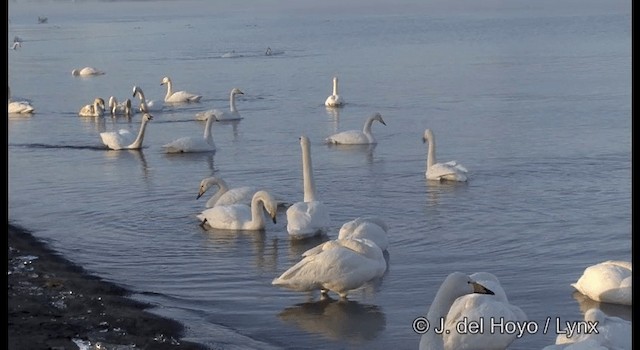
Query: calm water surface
{"x": 534, "y": 101}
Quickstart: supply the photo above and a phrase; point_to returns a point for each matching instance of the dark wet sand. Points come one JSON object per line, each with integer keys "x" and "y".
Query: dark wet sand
{"x": 52, "y": 301}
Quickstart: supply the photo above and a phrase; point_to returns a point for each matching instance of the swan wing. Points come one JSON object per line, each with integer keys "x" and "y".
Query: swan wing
{"x": 183, "y": 96}
{"x": 188, "y": 144}
{"x": 237, "y": 195}
{"x": 370, "y": 228}
{"x": 204, "y": 115}
{"x": 20, "y": 107}
{"x": 306, "y": 219}
{"x": 607, "y": 282}
{"x": 230, "y": 217}
{"x": 333, "y": 101}
{"x": 446, "y": 171}
{"x": 349, "y": 137}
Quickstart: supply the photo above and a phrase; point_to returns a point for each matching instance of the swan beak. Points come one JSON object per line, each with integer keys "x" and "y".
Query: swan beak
{"x": 199, "y": 195}
{"x": 273, "y": 217}
{"x": 383, "y": 123}
{"x": 480, "y": 289}
{"x": 424, "y": 140}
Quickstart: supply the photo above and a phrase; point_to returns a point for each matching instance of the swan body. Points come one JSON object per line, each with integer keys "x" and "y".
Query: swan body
{"x": 309, "y": 217}
{"x": 240, "y": 216}
{"x": 482, "y": 308}
{"x": 96, "y": 109}
{"x": 86, "y": 71}
{"x": 146, "y": 106}
{"x": 225, "y": 195}
{"x": 189, "y": 144}
{"x": 339, "y": 265}
{"x": 357, "y": 137}
{"x": 334, "y": 100}
{"x": 613, "y": 333}
{"x": 221, "y": 115}
{"x": 455, "y": 285}
{"x": 178, "y": 96}
{"x": 370, "y": 227}
{"x": 124, "y": 139}
{"x": 608, "y": 281}
{"x": 18, "y": 107}
{"x": 116, "y": 108}
{"x": 450, "y": 171}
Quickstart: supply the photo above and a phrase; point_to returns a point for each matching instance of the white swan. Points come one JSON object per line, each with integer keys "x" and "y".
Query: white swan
{"x": 334, "y": 100}
{"x": 146, "y": 106}
{"x": 231, "y": 114}
{"x": 339, "y": 266}
{"x": 482, "y": 308}
{"x": 225, "y": 195}
{"x": 86, "y": 71}
{"x": 177, "y": 96}
{"x": 96, "y": 109}
{"x": 612, "y": 333}
{"x": 369, "y": 227}
{"x": 19, "y": 107}
{"x": 240, "y": 216}
{"x": 190, "y": 144}
{"x": 455, "y": 285}
{"x": 309, "y": 217}
{"x": 608, "y": 281}
{"x": 451, "y": 171}
{"x": 116, "y": 108}
{"x": 357, "y": 137}
{"x": 16, "y": 45}
{"x": 124, "y": 139}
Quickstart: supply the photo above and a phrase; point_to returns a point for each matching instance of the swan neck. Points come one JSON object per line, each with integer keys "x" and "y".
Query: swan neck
{"x": 335, "y": 86}
{"x": 431, "y": 152}
{"x": 307, "y": 174}
{"x": 208, "y": 136}
{"x": 367, "y": 126}
{"x": 257, "y": 205}
{"x": 222, "y": 188}
{"x": 232, "y": 102}
{"x": 169, "y": 90}
{"x": 138, "y": 142}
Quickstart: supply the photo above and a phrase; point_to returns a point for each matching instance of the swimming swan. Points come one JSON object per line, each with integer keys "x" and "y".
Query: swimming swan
{"x": 372, "y": 228}
{"x": 124, "y": 139}
{"x": 93, "y": 110}
{"x": 86, "y": 71}
{"x": 608, "y": 281}
{"x": 309, "y": 217}
{"x": 455, "y": 285}
{"x": 178, "y": 96}
{"x": 225, "y": 195}
{"x": 146, "y": 106}
{"x": 451, "y": 171}
{"x": 231, "y": 114}
{"x": 612, "y": 333}
{"x": 189, "y": 144}
{"x": 240, "y": 216}
{"x": 357, "y": 137}
{"x": 334, "y": 100}
{"x": 339, "y": 266}
{"x": 19, "y": 107}
{"x": 116, "y": 108}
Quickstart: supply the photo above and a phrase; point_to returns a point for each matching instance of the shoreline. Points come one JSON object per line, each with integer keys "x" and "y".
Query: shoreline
{"x": 55, "y": 304}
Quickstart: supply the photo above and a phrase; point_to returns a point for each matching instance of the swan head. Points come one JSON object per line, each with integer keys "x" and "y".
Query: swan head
{"x": 112, "y": 101}
{"x": 428, "y": 135}
{"x": 378, "y": 117}
{"x": 136, "y": 90}
{"x": 335, "y": 80}
{"x": 147, "y": 117}
{"x": 270, "y": 204}
{"x": 206, "y": 183}
{"x": 304, "y": 141}
{"x": 237, "y": 91}
{"x": 165, "y": 80}
{"x": 99, "y": 102}
{"x": 75, "y": 72}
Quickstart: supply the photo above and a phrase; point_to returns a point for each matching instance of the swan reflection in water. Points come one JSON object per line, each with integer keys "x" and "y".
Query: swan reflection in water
{"x": 264, "y": 252}
{"x": 127, "y": 156}
{"x": 616, "y": 310}
{"x": 345, "y": 320}
{"x": 334, "y": 119}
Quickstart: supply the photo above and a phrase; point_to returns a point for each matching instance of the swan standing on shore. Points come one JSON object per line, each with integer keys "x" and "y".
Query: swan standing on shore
{"x": 225, "y": 195}
{"x": 86, "y": 71}
{"x": 240, "y": 216}
{"x": 372, "y": 228}
{"x": 190, "y": 144}
{"x": 450, "y": 171}
{"x": 116, "y": 108}
{"x": 334, "y": 100}
{"x": 19, "y": 107}
{"x": 124, "y": 139}
{"x": 146, "y": 106}
{"x": 455, "y": 285}
{"x": 357, "y": 137}
{"x": 221, "y": 115}
{"x": 178, "y": 96}
{"x": 93, "y": 110}
{"x": 608, "y": 282}
{"x": 310, "y": 217}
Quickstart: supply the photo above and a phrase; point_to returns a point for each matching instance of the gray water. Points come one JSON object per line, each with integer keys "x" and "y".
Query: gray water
{"x": 534, "y": 98}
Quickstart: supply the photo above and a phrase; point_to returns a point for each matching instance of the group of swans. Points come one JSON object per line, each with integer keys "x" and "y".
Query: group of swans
{"x": 190, "y": 144}
{"x": 123, "y": 138}
{"x": 221, "y": 115}
{"x": 86, "y": 72}
{"x": 96, "y": 109}
{"x": 19, "y": 107}
{"x": 117, "y": 109}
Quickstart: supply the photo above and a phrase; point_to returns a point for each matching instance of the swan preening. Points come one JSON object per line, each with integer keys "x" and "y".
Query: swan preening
{"x": 612, "y": 333}
{"x": 221, "y": 115}
{"x": 146, "y": 106}
{"x": 177, "y": 96}
{"x": 123, "y": 108}
{"x": 225, "y": 195}
{"x": 449, "y": 171}
{"x": 19, "y": 107}
{"x": 608, "y": 281}
{"x": 309, "y": 217}
{"x": 96, "y": 109}
{"x": 190, "y": 144}
{"x": 124, "y": 139}
{"x": 454, "y": 286}
{"x": 86, "y": 71}
{"x": 372, "y": 228}
{"x": 357, "y": 137}
{"x": 241, "y": 216}
{"x": 334, "y": 100}
{"x": 339, "y": 266}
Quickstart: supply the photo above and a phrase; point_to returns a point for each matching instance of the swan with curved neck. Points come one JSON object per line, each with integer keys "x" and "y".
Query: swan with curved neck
{"x": 146, "y": 106}
{"x": 334, "y": 100}
{"x": 240, "y": 216}
{"x": 189, "y": 144}
{"x": 96, "y": 109}
{"x": 124, "y": 139}
{"x": 608, "y": 281}
{"x": 221, "y": 115}
{"x": 309, "y": 217}
{"x": 357, "y": 137}
{"x": 225, "y": 195}
{"x": 449, "y": 171}
{"x": 116, "y": 108}
{"x": 177, "y": 96}
{"x": 455, "y": 285}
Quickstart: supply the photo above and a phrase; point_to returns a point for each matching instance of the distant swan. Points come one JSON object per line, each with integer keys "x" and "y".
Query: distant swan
{"x": 231, "y": 114}
{"x": 339, "y": 266}
{"x": 193, "y": 144}
{"x": 178, "y": 96}
{"x": 116, "y": 108}
{"x": 146, "y": 106}
{"x": 19, "y": 107}
{"x": 608, "y": 281}
{"x": 370, "y": 227}
{"x": 357, "y": 137}
{"x": 451, "y": 171}
{"x": 240, "y": 216}
{"x": 613, "y": 333}
{"x": 86, "y": 71}
{"x": 334, "y": 100}
{"x": 225, "y": 195}
{"x": 231, "y": 54}
{"x": 454, "y": 286}
{"x": 93, "y": 110}
{"x": 124, "y": 139}
{"x": 309, "y": 217}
